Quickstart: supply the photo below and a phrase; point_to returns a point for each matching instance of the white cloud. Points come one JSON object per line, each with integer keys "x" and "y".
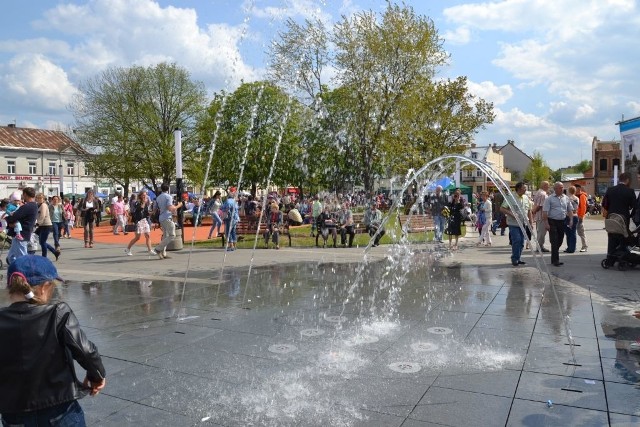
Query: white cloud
{"x": 305, "y": 9}
{"x": 35, "y": 81}
{"x": 460, "y": 35}
{"x": 119, "y": 33}
{"x": 490, "y": 92}
{"x": 574, "y": 60}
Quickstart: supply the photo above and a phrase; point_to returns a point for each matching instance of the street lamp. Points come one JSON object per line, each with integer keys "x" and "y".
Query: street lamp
{"x": 61, "y": 170}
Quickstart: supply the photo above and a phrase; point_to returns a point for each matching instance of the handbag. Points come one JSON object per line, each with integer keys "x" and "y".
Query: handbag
{"x": 113, "y": 221}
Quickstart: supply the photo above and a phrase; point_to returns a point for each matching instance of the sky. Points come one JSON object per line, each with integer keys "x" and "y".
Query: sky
{"x": 558, "y": 72}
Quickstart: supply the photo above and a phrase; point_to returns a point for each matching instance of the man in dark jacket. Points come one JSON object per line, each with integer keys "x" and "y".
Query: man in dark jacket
{"x": 26, "y": 215}
{"x": 620, "y": 200}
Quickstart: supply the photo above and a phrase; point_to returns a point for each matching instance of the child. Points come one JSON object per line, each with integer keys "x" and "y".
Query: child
{"x": 16, "y": 200}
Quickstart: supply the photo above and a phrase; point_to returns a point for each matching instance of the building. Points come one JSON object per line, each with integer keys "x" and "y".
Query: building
{"x": 516, "y": 160}
{"x": 606, "y": 157}
{"x": 50, "y": 161}
{"x": 474, "y": 177}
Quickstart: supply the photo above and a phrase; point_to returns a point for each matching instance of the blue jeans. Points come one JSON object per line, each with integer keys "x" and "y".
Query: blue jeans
{"x": 517, "y": 241}
{"x": 58, "y": 230}
{"x": 68, "y": 414}
{"x": 440, "y": 223}
{"x": 571, "y": 233}
{"x": 230, "y": 230}
{"x": 43, "y": 235}
{"x": 217, "y": 222}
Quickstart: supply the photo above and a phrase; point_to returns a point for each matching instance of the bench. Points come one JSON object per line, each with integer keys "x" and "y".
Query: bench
{"x": 416, "y": 223}
{"x": 248, "y": 227}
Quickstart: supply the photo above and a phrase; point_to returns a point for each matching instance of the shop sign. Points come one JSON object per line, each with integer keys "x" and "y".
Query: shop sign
{"x": 15, "y": 178}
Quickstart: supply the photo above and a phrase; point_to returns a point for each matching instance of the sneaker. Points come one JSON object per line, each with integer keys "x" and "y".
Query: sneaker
{"x": 521, "y": 263}
{"x": 635, "y": 250}
{"x": 514, "y": 263}
{"x": 160, "y": 256}
{"x": 584, "y": 249}
{"x": 634, "y": 346}
{"x": 544, "y": 250}
{"x": 152, "y": 252}
{"x": 127, "y": 252}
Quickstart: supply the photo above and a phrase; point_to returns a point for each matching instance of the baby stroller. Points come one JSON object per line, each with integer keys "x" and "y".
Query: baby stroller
{"x": 627, "y": 254}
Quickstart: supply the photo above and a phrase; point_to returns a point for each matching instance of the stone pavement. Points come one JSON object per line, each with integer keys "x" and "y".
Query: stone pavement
{"x": 418, "y": 337}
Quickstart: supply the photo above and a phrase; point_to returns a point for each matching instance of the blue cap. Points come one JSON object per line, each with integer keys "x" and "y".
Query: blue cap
{"x": 37, "y": 269}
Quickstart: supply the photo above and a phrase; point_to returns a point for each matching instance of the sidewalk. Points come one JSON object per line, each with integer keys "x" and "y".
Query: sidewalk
{"x": 475, "y": 341}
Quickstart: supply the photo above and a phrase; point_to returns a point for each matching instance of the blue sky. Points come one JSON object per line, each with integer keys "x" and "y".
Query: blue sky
{"x": 558, "y": 72}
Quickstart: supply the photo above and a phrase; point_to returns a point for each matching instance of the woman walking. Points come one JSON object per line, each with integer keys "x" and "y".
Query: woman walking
{"x": 454, "y": 225}
{"x": 56, "y": 212}
{"x": 485, "y": 218}
{"x": 214, "y": 208}
{"x": 38, "y": 342}
{"x": 141, "y": 220}
{"x": 44, "y": 227}
{"x": 69, "y": 217}
{"x": 88, "y": 207}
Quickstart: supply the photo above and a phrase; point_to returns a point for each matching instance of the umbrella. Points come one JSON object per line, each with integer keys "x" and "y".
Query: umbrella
{"x": 443, "y": 182}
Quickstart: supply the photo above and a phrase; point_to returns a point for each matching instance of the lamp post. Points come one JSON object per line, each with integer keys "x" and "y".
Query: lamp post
{"x": 177, "y": 134}
{"x": 61, "y": 171}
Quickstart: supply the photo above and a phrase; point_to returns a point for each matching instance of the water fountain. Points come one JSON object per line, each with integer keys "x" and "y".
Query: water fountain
{"x": 391, "y": 338}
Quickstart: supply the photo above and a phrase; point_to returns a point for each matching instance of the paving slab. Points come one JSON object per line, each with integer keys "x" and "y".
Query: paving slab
{"x": 310, "y": 336}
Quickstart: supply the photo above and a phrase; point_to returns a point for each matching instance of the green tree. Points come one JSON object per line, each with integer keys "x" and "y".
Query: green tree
{"x": 538, "y": 171}
{"x": 583, "y": 167}
{"x": 385, "y": 113}
{"x": 435, "y": 119}
{"x": 251, "y": 121}
{"x": 126, "y": 117}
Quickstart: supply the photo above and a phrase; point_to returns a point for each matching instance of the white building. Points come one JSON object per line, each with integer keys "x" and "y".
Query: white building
{"x": 50, "y": 161}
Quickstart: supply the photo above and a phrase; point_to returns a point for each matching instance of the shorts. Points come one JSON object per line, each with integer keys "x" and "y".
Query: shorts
{"x": 142, "y": 227}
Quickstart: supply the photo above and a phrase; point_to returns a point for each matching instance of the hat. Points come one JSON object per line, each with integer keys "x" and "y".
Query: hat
{"x": 16, "y": 195}
{"x": 35, "y": 268}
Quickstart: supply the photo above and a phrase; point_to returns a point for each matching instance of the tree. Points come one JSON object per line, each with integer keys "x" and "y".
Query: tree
{"x": 251, "y": 122}
{"x": 125, "y": 117}
{"x": 538, "y": 171}
{"x": 435, "y": 119}
{"x": 583, "y": 166}
{"x": 385, "y": 113}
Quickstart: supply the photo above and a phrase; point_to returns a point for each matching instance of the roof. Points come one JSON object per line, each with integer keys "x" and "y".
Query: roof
{"x": 511, "y": 143}
{"x": 36, "y": 139}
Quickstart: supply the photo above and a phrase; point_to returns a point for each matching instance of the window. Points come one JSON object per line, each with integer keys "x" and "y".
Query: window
{"x": 603, "y": 164}
{"x": 479, "y": 173}
{"x": 474, "y": 155}
{"x": 11, "y": 166}
{"x": 33, "y": 168}
{"x": 70, "y": 169}
{"x": 469, "y": 174}
{"x": 53, "y": 170}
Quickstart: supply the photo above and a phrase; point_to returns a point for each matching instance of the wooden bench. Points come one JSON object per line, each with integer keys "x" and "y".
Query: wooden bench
{"x": 248, "y": 227}
{"x": 416, "y": 223}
